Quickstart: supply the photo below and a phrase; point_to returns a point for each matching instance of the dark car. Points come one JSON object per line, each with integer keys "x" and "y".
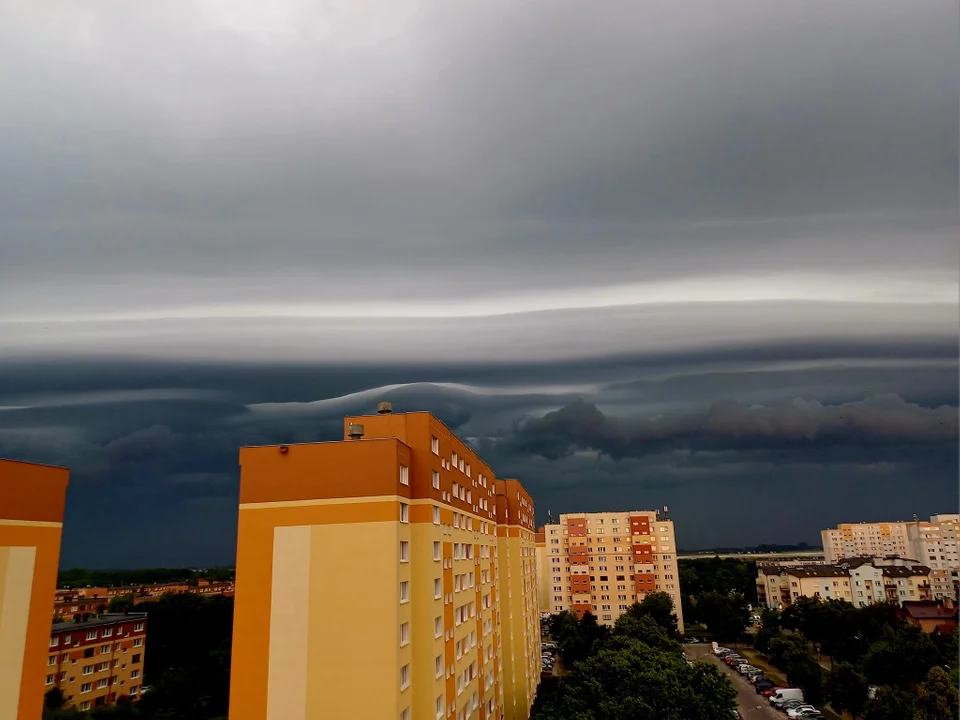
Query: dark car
{"x": 764, "y": 684}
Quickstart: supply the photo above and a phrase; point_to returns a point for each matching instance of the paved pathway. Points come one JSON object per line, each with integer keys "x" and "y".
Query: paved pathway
{"x": 751, "y": 705}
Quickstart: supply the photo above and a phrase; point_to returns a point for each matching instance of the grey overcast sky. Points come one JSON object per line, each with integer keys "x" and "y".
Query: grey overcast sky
{"x": 641, "y": 253}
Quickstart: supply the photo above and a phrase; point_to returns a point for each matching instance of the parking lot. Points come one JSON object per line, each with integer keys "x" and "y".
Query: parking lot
{"x": 751, "y": 705}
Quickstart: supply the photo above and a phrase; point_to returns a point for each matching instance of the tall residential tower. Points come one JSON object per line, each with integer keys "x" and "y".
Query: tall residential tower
{"x": 32, "y": 499}
{"x": 375, "y": 581}
{"x": 605, "y": 561}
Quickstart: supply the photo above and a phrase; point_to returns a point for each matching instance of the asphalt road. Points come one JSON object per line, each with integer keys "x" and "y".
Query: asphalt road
{"x": 751, "y": 705}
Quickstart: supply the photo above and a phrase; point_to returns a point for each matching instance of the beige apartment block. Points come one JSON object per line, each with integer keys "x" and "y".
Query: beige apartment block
{"x": 387, "y": 575}
{"x": 935, "y": 544}
{"x": 865, "y": 540}
{"x": 859, "y": 581}
{"x": 603, "y": 562}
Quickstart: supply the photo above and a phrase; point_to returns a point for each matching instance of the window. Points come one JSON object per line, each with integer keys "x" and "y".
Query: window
{"x": 51, "y": 661}
{"x": 49, "y": 679}
{"x": 135, "y": 658}
{"x": 436, "y": 479}
{"x": 453, "y": 459}
{"x": 54, "y": 641}
{"x": 404, "y": 634}
{"x": 439, "y": 707}
{"x": 101, "y": 683}
{"x": 404, "y": 513}
{"x": 404, "y": 592}
{"x": 436, "y": 551}
{"x": 106, "y": 632}
{"x": 405, "y": 677}
{"x": 88, "y": 669}
{"x": 138, "y": 627}
{"x": 434, "y": 446}
{"x": 102, "y": 666}
{"x": 437, "y": 589}
{"x": 438, "y": 666}
{"x": 404, "y": 475}
{"x": 105, "y": 649}
{"x": 137, "y": 642}
{"x": 437, "y": 627}
{"x": 85, "y": 705}
{"x": 405, "y": 714}
{"x": 91, "y": 634}
{"x": 134, "y": 689}
{"x": 86, "y": 687}
{"x": 404, "y": 551}
{"x": 436, "y": 515}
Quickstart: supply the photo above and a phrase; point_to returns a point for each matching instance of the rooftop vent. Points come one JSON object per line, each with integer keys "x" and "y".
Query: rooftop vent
{"x": 384, "y": 408}
{"x": 355, "y": 432}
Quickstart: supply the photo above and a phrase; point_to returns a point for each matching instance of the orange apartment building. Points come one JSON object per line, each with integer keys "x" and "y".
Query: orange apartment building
{"x": 604, "y": 562}
{"x": 374, "y": 580}
{"x": 32, "y": 500}
{"x": 97, "y": 661}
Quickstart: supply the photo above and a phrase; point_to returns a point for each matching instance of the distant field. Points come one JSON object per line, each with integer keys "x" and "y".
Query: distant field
{"x": 814, "y": 554}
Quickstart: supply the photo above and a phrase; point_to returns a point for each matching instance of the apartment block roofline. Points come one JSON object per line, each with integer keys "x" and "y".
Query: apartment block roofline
{"x": 109, "y": 619}
{"x": 37, "y": 464}
{"x": 323, "y": 442}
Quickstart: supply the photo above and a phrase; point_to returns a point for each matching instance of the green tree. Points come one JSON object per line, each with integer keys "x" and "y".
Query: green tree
{"x": 53, "y": 699}
{"x": 770, "y": 619}
{"x": 646, "y": 630}
{"x": 890, "y": 703}
{"x": 121, "y": 604}
{"x": 804, "y": 672}
{"x": 629, "y": 680}
{"x": 659, "y": 607}
{"x": 846, "y": 690}
{"x": 725, "y": 615}
{"x": 937, "y": 697}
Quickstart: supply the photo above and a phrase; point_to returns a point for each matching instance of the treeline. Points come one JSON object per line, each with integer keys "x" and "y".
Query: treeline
{"x": 636, "y": 670}
{"x": 187, "y": 663}
{"x": 82, "y": 577}
{"x": 913, "y": 674}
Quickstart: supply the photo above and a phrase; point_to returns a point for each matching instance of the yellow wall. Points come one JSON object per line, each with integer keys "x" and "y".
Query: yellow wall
{"x": 299, "y": 575}
{"x": 32, "y": 500}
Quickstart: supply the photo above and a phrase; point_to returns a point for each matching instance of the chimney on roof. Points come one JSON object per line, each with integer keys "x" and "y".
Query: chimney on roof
{"x": 355, "y": 432}
{"x": 384, "y": 408}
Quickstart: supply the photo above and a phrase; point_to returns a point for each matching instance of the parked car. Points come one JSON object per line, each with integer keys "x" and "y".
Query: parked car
{"x": 800, "y": 710}
{"x": 785, "y": 695}
{"x": 764, "y": 684}
{"x": 768, "y": 692}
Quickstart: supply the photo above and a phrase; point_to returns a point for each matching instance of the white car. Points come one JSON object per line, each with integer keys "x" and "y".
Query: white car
{"x": 800, "y": 710}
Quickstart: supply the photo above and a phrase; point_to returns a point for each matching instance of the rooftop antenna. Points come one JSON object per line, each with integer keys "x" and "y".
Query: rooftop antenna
{"x": 549, "y": 518}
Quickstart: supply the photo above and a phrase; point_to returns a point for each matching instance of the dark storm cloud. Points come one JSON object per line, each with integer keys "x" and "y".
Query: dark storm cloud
{"x": 732, "y": 426}
{"x": 693, "y": 213}
{"x": 144, "y": 466}
{"x": 192, "y": 158}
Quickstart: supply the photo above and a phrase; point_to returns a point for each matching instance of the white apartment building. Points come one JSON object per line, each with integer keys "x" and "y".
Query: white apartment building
{"x": 936, "y": 544}
{"x": 604, "y": 562}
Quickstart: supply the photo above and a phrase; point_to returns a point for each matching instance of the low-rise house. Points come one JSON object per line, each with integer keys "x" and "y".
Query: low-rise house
{"x": 931, "y": 615}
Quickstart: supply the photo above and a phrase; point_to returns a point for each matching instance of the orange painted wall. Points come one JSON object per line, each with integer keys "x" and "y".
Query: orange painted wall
{"x": 34, "y": 494}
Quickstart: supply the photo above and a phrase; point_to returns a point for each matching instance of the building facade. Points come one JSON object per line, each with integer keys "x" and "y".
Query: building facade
{"x": 98, "y": 661}
{"x": 935, "y": 544}
{"x": 859, "y": 581}
{"x": 32, "y": 500}
{"x": 604, "y": 562}
{"x": 519, "y": 604}
{"x": 373, "y": 580}
{"x": 849, "y": 540}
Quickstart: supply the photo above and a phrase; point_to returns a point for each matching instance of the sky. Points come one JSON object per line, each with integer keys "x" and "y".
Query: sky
{"x": 701, "y": 255}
